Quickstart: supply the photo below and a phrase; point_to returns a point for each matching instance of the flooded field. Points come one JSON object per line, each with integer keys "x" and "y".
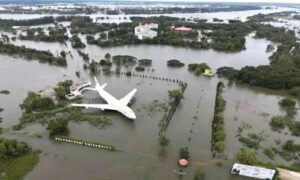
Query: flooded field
{"x": 241, "y": 15}
{"x": 139, "y": 155}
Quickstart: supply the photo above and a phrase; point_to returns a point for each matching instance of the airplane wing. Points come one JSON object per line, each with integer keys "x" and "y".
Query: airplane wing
{"x": 126, "y": 99}
{"x": 98, "y": 106}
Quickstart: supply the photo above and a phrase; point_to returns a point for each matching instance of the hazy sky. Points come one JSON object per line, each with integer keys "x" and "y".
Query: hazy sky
{"x": 261, "y": 1}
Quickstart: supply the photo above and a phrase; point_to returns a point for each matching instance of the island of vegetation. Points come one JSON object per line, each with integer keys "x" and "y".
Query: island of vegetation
{"x": 45, "y": 110}
{"x": 175, "y": 63}
{"x": 145, "y": 62}
{"x": 56, "y": 34}
{"x": 29, "y": 53}
{"x": 16, "y": 158}
{"x": 4, "y": 92}
{"x": 284, "y": 69}
{"x": 124, "y": 60}
{"x": 140, "y": 68}
{"x": 198, "y": 68}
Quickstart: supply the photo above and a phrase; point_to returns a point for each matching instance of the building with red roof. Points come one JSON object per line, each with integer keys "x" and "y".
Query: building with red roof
{"x": 181, "y": 29}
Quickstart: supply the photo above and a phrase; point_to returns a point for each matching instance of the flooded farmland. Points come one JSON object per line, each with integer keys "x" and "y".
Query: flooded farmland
{"x": 139, "y": 155}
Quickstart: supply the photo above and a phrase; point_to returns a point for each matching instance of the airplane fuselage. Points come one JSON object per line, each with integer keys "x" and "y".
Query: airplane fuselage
{"x": 115, "y": 103}
{"x": 112, "y": 102}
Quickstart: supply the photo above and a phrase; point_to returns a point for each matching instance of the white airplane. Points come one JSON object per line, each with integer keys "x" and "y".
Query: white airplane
{"x": 112, "y": 102}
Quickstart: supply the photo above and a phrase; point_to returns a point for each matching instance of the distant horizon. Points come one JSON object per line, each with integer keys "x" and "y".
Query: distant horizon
{"x": 153, "y": 1}
{"x": 226, "y": 1}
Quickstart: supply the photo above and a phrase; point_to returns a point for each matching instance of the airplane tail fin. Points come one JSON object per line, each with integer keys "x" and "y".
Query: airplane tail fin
{"x": 98, "y": 85}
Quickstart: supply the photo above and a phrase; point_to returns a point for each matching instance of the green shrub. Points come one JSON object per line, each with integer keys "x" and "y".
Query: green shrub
{"x": 175, "y": 63}
{"x": 11, "y": 148}
{"x": 278, "y": 122}
{"x": 245, "y": 156}
{"x": 139, "y": 68}
{"x": 269, "y": 152}
{"x": 35, "y": 102}
{"x": 63, "y": 88}
{"x": 198, "y": 68}
{"x": 286, "y": 102}
{"x": 219, "y": 146}
{"x": 57, "y": 127}
{"x": 294, "y": 127}
{"x": 184, "y": 153}
{"x": 199, "y": 174}
{"x": 4, "y": 92}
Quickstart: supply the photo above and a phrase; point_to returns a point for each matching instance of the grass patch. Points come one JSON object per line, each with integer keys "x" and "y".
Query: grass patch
{"x": 17, "y": 168}
{"x": 68, "y": 114}
{"x": 251, "y": 141}
{"x": 156, "y": 107}
{"x": 278, "y": 122}
{"x": 269, "y": 152}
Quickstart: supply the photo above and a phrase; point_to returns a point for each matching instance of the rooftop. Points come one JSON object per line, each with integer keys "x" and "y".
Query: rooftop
{"x": 183, "y": 28}
{"x": 252, "y": 171}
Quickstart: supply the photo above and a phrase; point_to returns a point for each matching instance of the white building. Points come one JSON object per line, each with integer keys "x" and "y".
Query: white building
{"x": 146, "y": 31}
{"x": 253, "y": 171}
{"x": 76, "y": 90}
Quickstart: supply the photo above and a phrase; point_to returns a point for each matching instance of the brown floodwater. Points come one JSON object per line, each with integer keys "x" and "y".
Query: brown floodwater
{"x": 140, "y": 156}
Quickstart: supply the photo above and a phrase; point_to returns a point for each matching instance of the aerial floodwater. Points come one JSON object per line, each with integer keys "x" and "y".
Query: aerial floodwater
{"x": 139, "y": 152}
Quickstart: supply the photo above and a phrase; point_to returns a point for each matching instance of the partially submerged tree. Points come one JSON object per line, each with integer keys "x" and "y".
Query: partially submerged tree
{"x": 57, "y": 127}
{"x": 163, "y": 141}
{"x": 246, "y": 156}
{"x": 199, "y": 175}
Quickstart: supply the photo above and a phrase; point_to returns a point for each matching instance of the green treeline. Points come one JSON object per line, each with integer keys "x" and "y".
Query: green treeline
{"x": 29, "y": 53}
{"x": 225, "y": 37}
{"x": 175, "y": 96}
{"x": 284, "y": 69}
{"x": 85, "y": 25}
{"x": 171, "y": 10}
{"x": 218, "y": 133}
{"x": 8, "y": 23}
{"x": 76, "y": 42}
{"x": 56, "y": 34}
